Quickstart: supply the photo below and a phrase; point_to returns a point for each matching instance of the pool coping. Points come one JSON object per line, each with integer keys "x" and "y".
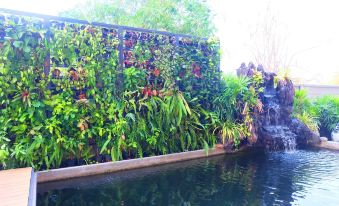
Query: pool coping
{"x": 108, "y": 167}
{"x": 328, "y": 145}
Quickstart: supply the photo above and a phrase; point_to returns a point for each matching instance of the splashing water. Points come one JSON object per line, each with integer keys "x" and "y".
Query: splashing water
{"x": 281, "y": 138}
{"x": 290, "y": 143}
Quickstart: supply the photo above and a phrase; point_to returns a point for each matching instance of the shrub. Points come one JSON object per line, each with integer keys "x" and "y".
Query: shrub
{"x": 301, "y": 102}
{"x": 322, "y": 112}
{"x": 309, "y": 120}
{"x": 235, "y": 105}
{"x": 326, "y": 109}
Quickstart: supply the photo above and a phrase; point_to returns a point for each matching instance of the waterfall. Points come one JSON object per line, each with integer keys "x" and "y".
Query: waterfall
{"x": 277, "y": 135}
{"x": 275, "y": 127}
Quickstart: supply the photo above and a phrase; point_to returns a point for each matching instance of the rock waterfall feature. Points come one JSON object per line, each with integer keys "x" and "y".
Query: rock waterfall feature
{"x": 276, "y": 127}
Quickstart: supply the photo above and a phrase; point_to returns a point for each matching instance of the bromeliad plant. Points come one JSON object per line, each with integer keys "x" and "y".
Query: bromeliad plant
{"x": 62, "y": 104}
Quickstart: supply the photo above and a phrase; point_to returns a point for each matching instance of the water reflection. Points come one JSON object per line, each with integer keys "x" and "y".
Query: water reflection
{"x": 306, "y": 177}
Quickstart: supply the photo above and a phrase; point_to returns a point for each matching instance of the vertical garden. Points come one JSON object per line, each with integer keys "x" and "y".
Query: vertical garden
{"x": 74, "y": 93}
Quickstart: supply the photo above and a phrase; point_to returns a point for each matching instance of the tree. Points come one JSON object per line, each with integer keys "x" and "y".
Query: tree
{"x": 179, "y": 16}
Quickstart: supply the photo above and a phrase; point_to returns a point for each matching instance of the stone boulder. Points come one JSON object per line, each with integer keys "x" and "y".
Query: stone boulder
{"x": 304, "y": 136}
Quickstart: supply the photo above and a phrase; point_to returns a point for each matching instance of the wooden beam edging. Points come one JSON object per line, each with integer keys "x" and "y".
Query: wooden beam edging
{"x": 108, "y": 167}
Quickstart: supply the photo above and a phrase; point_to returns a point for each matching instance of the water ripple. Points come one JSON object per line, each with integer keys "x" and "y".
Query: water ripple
{"x": 302, "y": 177}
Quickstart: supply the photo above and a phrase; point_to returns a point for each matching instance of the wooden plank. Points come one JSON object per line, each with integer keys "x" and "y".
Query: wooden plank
{"x": 15, "y": 186}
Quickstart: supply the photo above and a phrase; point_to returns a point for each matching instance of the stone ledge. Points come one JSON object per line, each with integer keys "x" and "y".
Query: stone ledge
{"x": 101, "y": 168}
{"x": 328, "y": 145}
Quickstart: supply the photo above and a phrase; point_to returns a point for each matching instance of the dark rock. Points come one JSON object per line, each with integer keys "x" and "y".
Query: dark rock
{"x": 304, "y": 134}
{"x": 285, "y": 92}
{"x": 269, "y": 81}
{"x": 275, "y": 128}
{"x": 242, "y": 70}
{"x": 260, "y": 68}
{"x": 276, "y": 138}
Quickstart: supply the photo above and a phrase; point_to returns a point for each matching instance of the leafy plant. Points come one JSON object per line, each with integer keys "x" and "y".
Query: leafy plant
{"x": 301, "y": 102}
{"x": 61, "y": 102}
{"x": 326, "y": 108}
{"x": 322, "y": 112}
{"x": 309, "y": 120}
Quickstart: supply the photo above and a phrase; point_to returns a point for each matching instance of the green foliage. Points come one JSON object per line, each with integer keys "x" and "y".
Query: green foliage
{"x": 134, "y": 78}
{"x": 303, "y": 110}
{"x": 235, "y": 107}
{"x": 60, "y": 104}
{"x": 326, "y": 109}
{"x": 178, "y": 16}
{"x": 309, "y": 120}
{"x": 233, "y": 88}
{"x": 301, "y": 102}
{"x": 323, "y": 111}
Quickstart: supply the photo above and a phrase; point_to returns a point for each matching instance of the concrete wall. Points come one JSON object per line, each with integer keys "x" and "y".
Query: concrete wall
{"x": 318, "y": 90}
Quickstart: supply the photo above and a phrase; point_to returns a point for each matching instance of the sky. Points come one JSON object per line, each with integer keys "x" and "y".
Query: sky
{"x": 308, "y": 30}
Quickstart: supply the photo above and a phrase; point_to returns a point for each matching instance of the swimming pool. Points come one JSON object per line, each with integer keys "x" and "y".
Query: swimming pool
{"x": 301, "y": 177}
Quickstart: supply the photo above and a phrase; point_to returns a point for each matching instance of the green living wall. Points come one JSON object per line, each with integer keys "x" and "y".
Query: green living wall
{"x": 74, "y": 94}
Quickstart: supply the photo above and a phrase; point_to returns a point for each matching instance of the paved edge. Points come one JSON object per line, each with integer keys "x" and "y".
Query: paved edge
{"x": 108, "y": 167}
{"x": 15, "y": 187}
{"x": 328, "y": 145}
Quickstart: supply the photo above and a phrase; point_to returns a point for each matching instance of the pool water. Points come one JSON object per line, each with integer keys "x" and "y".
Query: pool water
{"x": 302, "y": 177}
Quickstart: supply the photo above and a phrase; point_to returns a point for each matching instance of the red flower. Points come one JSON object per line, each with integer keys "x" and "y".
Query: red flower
{"x": 128, "y": 43}
{"x": 149, "y": 92}
{"x": 155, "y": 93}
{"x": 82, "y": 96}
{"x": 25, "y": 94}
{"x": 128, "y": 63}
{"x": 144, "y": 91}
{"x": 196, "y": 70}
{"x": 156, "y": 72}
{"x": 74, "y": 75}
